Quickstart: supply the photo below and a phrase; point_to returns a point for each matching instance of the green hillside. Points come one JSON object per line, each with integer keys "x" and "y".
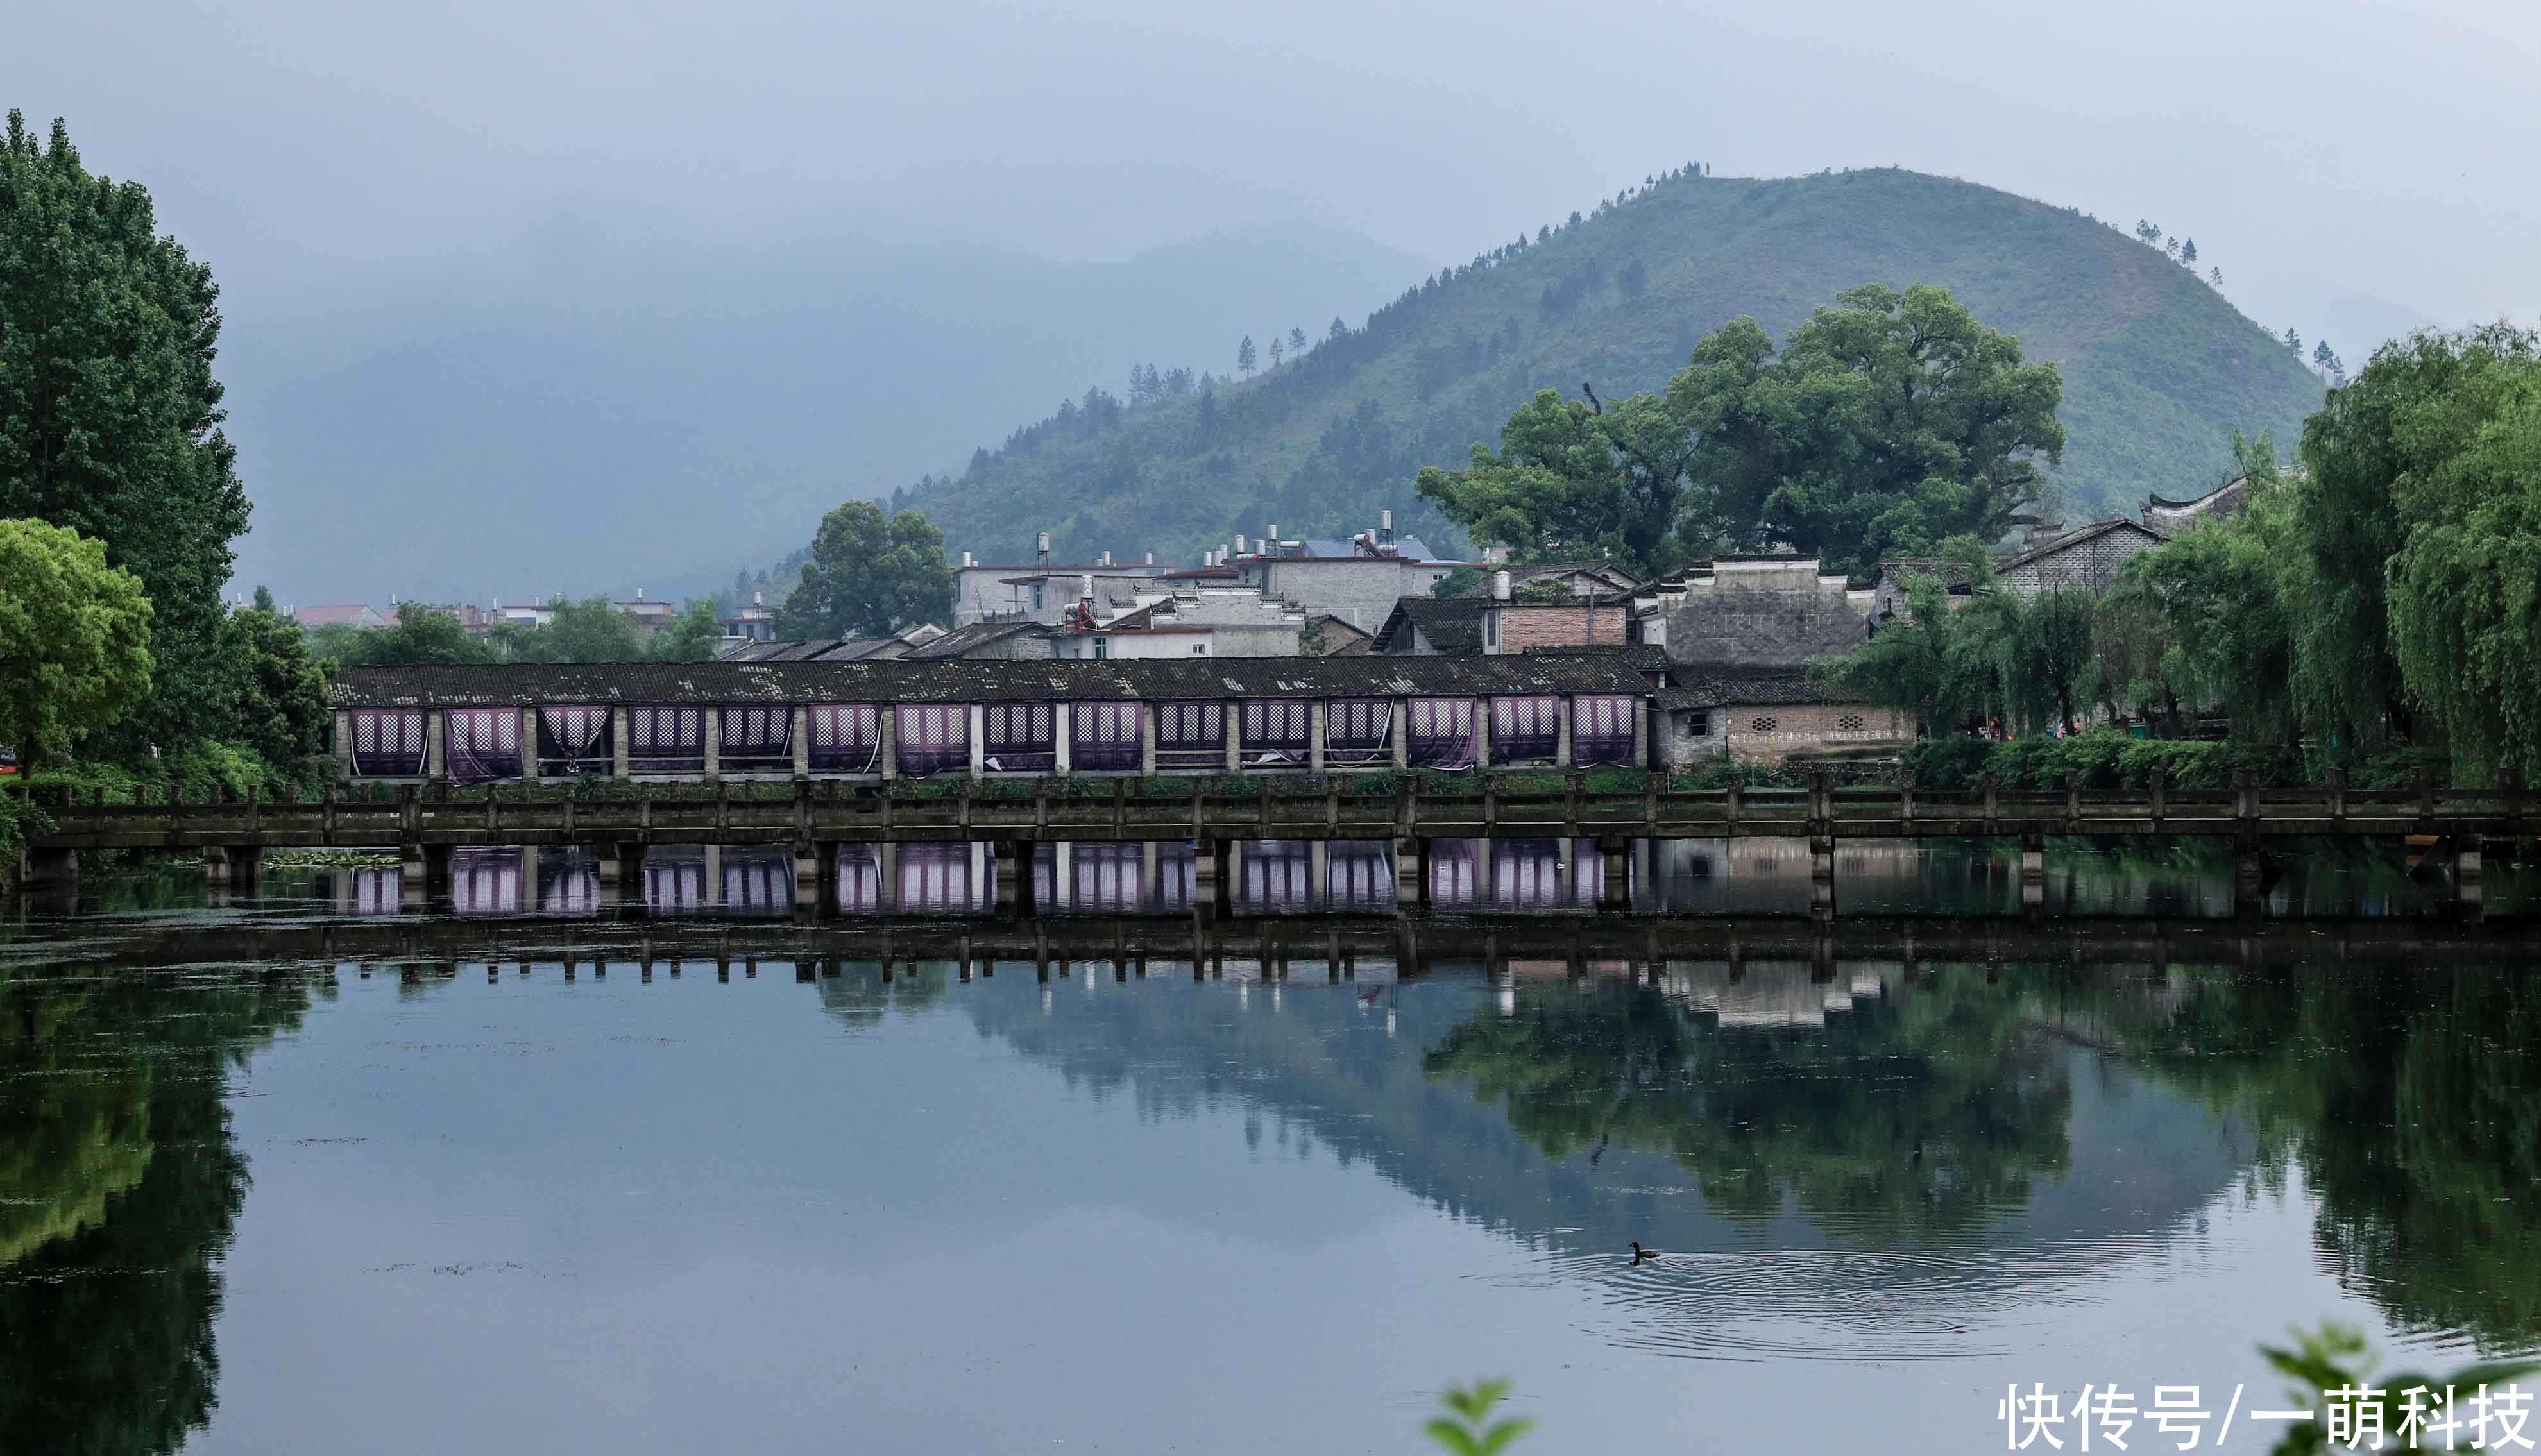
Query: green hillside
{"x": 2159, "y": 369}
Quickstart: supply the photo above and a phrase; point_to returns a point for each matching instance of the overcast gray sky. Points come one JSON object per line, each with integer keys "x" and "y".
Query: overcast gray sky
{"x": 2392, "y": 150}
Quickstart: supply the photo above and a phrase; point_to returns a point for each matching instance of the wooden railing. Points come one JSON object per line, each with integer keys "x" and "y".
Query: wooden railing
{"x": 1292, "y": 808}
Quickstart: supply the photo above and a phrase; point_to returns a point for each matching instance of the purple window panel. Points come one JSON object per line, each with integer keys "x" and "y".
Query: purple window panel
{"x": 846, "y": 737}
{"x": 1276, "y": 732}
{"x": 1103, "y": 735}
{"x": 756, "y": 735}
{"x": 1019, "y": 738}
{"x": 1358, "y": 731}
{"x": 666, "y": 740}
{"x": 1190, "y": 735}
{"x": 931, "y": 737}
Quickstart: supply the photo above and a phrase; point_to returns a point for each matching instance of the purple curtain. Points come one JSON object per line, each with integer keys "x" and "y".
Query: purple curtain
{"x": 571, "y": 735}
{"x": 1524, "y": 727}
{"x": 1442, "y": 732}
{"x": 387, "y": 743}
{"x": 1276, "y": 732}
{"x": 1601, "y": 728}
{"x": 482, "y": 744}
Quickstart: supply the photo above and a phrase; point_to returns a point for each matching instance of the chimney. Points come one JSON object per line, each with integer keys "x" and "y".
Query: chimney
{"x": 1107, "y": 559}
{"x": 967, "y": 562}
{"x": 1040, "y": 550}
{"x": 1499, "y": 586}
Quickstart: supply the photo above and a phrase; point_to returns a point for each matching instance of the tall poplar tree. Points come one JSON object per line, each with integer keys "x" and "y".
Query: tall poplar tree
{"x": 109, "y": 415}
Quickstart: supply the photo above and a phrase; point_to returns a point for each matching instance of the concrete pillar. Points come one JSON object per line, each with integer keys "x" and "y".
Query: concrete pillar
{"x": 2249, "y": 881}
{"x": 1063, "y": 875}
{"x": 887, "y": 734}
{"x": 1821, "y": 875}
{"x": 2467, "y": 872}
{"x": 1315, "y": 735}
{"x": 617, "y": 743}
{"x": 529, "y": 744}
{"x": 800, "y": 735}
{"x": 978, "y": 740}
{"x": 886, "y": 875}
{"x": 1406, "y": 872}
{"x": 1319, "y": 870}
{"x": 1234, "y": 736}
{"x": 1062, "y": 731}
{"x": 1147, "y": 739}
{"x": 2033, "y": 868}
{"x": 1642, "y": 734}
{"x": 343, "y": 743}
{"x": 1481, "y": 733}
{"x": 710, "y": 890}
{"x": 630, "y": 871}
{"x": 1222, "y": 869}
{"x": 714, "y": 742}
{"x": 1026, "y": 894}
{"x": 1617, "y": 886}
{"x": 1483, "y": 886}
{"x": 1401, "y": 711}
{"x": 436, "y": 763}
{"x": 1561, "y": 731}
{"x": 807, "y": 877}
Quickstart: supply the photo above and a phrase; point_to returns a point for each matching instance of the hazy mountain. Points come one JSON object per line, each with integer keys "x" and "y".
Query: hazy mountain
{"x": 628, "y": 404}
{"x": 2159, "y": 369}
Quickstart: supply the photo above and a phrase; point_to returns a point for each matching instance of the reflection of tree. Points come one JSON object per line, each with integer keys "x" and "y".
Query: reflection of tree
{"x": 119, "y": 1185}
{"x": 2411, "y": 1099}
{"x": 859, "y": 997}
{"x": 1915, "y": 1113}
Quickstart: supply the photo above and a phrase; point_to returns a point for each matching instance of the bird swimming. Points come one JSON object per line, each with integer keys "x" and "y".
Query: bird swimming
{"x": 1640, "y": 1253}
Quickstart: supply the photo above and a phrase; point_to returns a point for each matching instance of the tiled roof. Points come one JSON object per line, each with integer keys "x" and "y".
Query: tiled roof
{"x": 478, "y": 685}
{"x": 1721, "y": 684}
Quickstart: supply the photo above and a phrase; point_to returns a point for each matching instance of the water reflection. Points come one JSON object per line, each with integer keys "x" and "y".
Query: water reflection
{"x": 917, "y": 879}
{"x": 119, "y": 1186}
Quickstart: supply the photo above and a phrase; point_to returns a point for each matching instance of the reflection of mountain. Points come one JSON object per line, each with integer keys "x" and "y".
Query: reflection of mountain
{"x": 119, "y": 1185}
{"x": 1838, "y": 1169}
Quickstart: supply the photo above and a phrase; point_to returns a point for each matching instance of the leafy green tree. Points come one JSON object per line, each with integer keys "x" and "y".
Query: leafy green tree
{"x": 1297, "y": 342}
{"x": 2187, "y": 252}
{"x": 869, "y": 575}
{"x": 1886, "y": 426}
{"x": 74, "y": 638}
{"x": 279, "y": 706}
{"x": 592, "y": 630}
{"x": 1573, "y": 481}
{"x": 1244, "y": 355}
{"x": 422, "y": 635}
{"x": 110, "y": 417}
{"x": 2049, "y": 654}
{"x": 2215, "y": 633}
{"x": 694, "y": 635}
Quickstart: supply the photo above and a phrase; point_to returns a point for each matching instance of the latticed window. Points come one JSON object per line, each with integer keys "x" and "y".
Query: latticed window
{"x": 572, "y": 734}
{"x": 1762, "y": 725}
{"x": 1358, "y": 731}
{"x": 931, "y": 737}
{"x": 1601, "y": 728}
{"x": 846, "y": 737}
{"x": 665, "y": 740}
{"x": 1020, "y": 737}
{"x": 483, "y": 743}
{"x": 1103, "y": 735}
{"x": 1275, "y": 724}
{"x": 1849, "y": 723}
{"x": 1190, "y": 735}
{"x": 764, "y": 733}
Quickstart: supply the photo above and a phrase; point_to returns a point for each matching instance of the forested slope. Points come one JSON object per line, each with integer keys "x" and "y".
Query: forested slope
{"x": 2159, "y": 369}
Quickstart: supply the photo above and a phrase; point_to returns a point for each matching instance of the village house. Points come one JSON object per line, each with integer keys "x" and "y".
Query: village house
{"x": 1741, "y": 639}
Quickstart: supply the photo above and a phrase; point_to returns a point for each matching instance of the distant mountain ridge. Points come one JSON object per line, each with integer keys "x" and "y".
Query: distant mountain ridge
{"x": 2159, "y": 369}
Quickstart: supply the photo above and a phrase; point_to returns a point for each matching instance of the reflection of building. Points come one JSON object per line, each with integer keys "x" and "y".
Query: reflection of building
{"x": 1771, "y": 992}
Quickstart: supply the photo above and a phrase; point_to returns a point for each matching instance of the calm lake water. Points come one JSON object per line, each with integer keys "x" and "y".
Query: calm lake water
{"x": 314, "y": 1173}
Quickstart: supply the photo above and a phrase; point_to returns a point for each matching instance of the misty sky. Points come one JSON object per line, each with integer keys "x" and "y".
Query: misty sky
{"x": 2353, "y": 161}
